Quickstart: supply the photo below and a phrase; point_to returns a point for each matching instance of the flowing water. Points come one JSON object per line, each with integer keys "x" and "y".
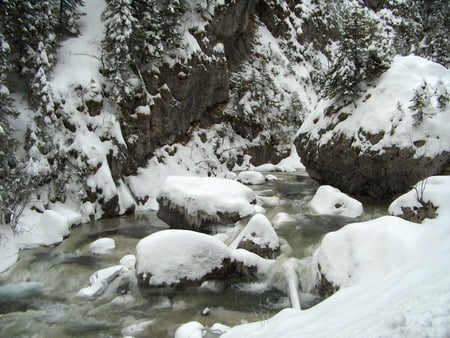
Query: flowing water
{"x": 38, "y": 296}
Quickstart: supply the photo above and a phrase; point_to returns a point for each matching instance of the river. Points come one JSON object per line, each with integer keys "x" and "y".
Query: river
{"x": 38, "y": 296}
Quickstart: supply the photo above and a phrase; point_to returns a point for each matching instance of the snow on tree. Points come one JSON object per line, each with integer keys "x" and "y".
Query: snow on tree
{"x": 442, "y": 95}
{"x": 359, "y": 55}
{"x": 420, "y": 103}
{"x": 119, "y": 23}
{"x": 68, "y": 15}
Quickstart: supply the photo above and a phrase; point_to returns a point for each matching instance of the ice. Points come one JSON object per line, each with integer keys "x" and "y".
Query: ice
{"x": 331, "y": 201}
{"x": 100, "y": 280}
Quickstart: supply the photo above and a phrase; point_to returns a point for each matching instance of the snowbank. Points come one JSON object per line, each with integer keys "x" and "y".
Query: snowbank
{"x": 395, "y": 282}
{"x": 331, "y": 201}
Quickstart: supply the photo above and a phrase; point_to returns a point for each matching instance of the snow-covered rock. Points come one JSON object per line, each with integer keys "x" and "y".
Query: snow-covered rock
{"x": 251, "y": 177}
{"x": 128, "y": 261}
{"x": 102, "y": 246}
{"x": 258, "y": 237}
{"x": 190, "y": 330}
{"x": 375, "y": 146}
{"x": 100, "y": 280}
{"x": 183, "y": 257}
{"x": 47, "y": 228}
{"x": 331, "y": 201}
{"x": 169, "y": 257}
{"x": 198, "y": 202}
{"x": 428, "y": 199}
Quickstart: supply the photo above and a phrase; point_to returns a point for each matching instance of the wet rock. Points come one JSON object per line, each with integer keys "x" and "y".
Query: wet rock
{"x": 367, "y": 173}
{"x": 418, "y": 214}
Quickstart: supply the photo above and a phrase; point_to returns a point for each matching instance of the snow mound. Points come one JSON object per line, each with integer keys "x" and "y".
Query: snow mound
{"x": 102, "y": 246}
{"x": 251, "y": 178}
{"x": 369, "y": 251}
{"x": 168, "y": 256}
{"x": 282, "y": 218}
{"x": 434, "y": 189}
{"x": 331, "y": 201}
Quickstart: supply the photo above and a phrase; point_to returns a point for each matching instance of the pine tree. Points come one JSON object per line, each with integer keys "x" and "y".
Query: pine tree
{"x": 359, "y": 55}
{"x": 68, "y": 15}
{"x": 119, "y": 23}
{"x": 442, "y": 95}
{"x": 147, "y": 35}
{"x": 420, "y": 103}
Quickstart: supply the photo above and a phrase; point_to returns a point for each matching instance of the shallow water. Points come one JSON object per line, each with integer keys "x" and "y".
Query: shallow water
{"x": 38, "y": 296}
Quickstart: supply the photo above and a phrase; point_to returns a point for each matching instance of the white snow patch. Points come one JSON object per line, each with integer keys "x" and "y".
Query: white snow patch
{"x": 281, "y": 219}
{"x": 331, "y": 201}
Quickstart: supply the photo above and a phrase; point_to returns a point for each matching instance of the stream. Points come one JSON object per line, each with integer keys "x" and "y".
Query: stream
{"x": 38, "y": 296}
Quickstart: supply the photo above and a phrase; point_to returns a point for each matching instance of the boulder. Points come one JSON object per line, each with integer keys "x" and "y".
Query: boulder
{"x": 181, "y": 258}
{"x": 378, "y": 145}
{"x": 196, "y": 203}
{"x": 258, "y": 237}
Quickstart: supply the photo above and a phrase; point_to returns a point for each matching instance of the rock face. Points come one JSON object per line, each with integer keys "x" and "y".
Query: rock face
{"x": 377, "y": 144}
{"x": 186, "y": 93}
{"x": 370, "y": 173}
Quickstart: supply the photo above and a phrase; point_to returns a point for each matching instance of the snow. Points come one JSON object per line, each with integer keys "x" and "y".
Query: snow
{"x": 292, "y": 163}
{"x": 385, "y": 109}
{"x": 393, "y": 275}
{"x": 100, "y": 280}
{"x": 331, "y": 201}
{"x": 259, "y": 231}
{"x": 102, "y": 246}
{"x": 136, "y": 328}
{"x": 251, "y": 177}
{"x": 208, "y": 195}
{"x": 9, "y": 248}
{"x": 436, "y": 189}
{"x": 79, "y": 57}
{"x": 171, "y": 255}
{"x": 128, "y": 261}
{"x": 43, "y": 229}
{"x": 190, "y": 330}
